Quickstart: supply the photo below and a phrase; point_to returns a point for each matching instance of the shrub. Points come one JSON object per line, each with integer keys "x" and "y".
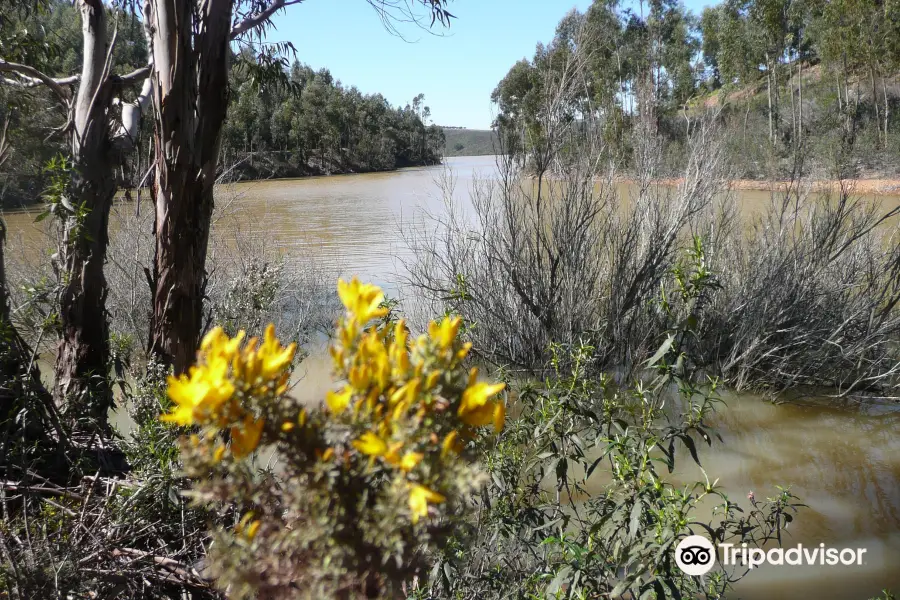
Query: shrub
{"x": 366, "y": 485}
{"x": 581, "y": 504}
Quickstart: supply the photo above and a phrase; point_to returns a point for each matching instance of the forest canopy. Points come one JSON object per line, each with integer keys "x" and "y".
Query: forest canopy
{"x": 786, "y": 74}
{"x": 300, "y": 122}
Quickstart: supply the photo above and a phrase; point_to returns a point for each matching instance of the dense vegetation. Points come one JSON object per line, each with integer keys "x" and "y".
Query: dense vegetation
{"x": 785, "y": 74}
{"x": 607, "y": 321}
{"x": 315, "y": 125}
{"x": 301, "y": 124}
{"x": 470, "y": 142}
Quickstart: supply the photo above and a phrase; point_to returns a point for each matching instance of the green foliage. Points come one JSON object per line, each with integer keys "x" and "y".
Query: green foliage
{"x": 792, "y": 77}
{"x": 581, "y": 505}
{"x": 470, "y": 142}
{"x": 313, "y": 124}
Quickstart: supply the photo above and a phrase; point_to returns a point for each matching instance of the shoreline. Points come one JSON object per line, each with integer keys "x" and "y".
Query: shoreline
{"x": 858, "y": 187}
{"x": 866, "y": 187}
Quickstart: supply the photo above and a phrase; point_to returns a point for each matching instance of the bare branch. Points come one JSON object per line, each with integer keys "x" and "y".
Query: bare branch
{"x": 135, "y": 76}
{"x": 33, "y": 77}
{"x": 132, "y": 112}
{"x": 261, "y": 17}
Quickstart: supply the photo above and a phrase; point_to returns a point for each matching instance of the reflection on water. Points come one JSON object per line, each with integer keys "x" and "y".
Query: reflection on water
{"x": 843, "y": 461}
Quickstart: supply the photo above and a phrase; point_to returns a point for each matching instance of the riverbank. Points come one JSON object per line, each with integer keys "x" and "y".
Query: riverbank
{"x": 858, "y": 187}
{"x": 262, "y": 166}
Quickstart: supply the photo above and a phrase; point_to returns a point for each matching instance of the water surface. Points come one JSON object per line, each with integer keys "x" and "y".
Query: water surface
{"x": 841, "y": 458}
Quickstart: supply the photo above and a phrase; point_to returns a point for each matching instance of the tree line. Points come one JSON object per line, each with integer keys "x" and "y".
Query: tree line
{"x": 297, "y": 122}
{"x": 787, "y": 74}
{"x": 110, "y": 82}
{"x": 314, "y": 124}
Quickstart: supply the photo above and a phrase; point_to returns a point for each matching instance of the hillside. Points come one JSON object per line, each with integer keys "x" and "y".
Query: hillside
{"x": 469, "y": 142}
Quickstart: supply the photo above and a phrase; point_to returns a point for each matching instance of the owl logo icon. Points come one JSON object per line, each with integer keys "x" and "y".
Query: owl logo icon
{"x": 695, "y": 555}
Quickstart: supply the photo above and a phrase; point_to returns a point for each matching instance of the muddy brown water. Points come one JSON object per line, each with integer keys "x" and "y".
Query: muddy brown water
{"x": 841, "y": 458}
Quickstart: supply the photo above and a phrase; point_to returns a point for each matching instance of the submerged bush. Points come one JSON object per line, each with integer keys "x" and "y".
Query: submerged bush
{"x": 582, "y": 502}
{"x": 364, "y": 487}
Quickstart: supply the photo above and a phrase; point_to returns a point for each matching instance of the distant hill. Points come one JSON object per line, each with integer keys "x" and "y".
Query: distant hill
{"x": 469, "y": 142}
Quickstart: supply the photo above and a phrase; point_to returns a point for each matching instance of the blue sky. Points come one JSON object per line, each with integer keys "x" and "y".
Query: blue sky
{"x": 456, "y": 71}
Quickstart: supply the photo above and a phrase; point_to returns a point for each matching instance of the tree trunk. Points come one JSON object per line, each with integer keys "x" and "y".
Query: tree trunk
{"x": 840, "y": 102}
{"x": 790, "y": 90}
{"x": 83, "y": 353}
{"x": 800, "y": 100}
{"x": 875, "y": 104}
{"x": 887, "y": 109}
{"x": 190, "y": 75}
{"x": 769, "y": 82}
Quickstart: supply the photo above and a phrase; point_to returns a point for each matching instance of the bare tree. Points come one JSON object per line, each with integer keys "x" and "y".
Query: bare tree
{"x": 555, "y": 252}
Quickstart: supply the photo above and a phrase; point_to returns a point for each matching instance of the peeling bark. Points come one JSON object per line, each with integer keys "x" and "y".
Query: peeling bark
{"x": 190, "y": 102}
{"x": 83, "y": 353}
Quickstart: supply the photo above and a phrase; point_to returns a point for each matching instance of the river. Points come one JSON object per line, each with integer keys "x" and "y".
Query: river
{"x": 841, "y": 458}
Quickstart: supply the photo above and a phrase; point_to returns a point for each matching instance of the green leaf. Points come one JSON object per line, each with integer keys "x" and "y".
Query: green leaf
{"x": 662, "y": 351}
{"x": 635, "y": 521}
{"x": 691, "y": 447}
{"x": 593, "y": 466}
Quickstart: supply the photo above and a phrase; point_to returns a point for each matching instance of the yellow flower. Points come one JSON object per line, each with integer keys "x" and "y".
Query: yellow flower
{"x": 419, "y": 498}
{"x": 371, "y": 445}
{"x": 410, "y": 460}
{"x": 450, "y": 444}
{"x": 252, "y": 528}
{"x": 245, "y": 438}
{"x": 360, "y": 377}
{"x": 444, "y": 334}
{"x": 273, "y": 356}
{"x": 218, "y": 453}
{"x": 392, "y": 455}
{"x": 337, "y": 355}
{"x": 476, "y": 408}
{"x": 361, "y": 300}
{"x": 432, "y": 379}
{"x": 374, "y": 355}
{"x": 337, "y": 402}
{"x": 217, "y": 343}
{"x": 200, "y": 395}
{"x": 404, "y": 397}
{"x": 499, "y": 415}
{"x": 245, "y": 364}
{"x": 247, "y": 526}
{"x": 399, "y": 352}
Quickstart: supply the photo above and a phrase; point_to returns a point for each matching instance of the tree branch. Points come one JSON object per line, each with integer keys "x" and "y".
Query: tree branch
{"x": 127, "y": 133}
{"x": 135, "y": 76}
{"x": 34, "y": 77}
{"x": 262, "y": 16}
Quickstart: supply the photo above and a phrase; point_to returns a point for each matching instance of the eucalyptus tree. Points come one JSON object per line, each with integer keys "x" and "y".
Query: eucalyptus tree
{"x": 190, "y": 44}
{"x": 186, "y": 79}
{"x": 770, "y": 18}
{"x": 101, "y": 129}
{"x": 710, "y": 25}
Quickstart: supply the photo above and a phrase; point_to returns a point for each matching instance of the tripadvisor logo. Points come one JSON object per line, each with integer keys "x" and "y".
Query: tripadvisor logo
{"x": 696, "y": 555}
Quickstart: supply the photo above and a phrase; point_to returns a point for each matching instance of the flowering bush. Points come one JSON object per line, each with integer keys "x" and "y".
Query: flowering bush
{"x": 362, "y": 486}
